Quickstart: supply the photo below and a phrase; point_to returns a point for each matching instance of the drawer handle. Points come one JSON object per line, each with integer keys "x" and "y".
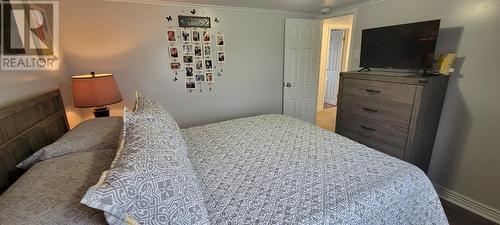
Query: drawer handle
{"x": 373, "y": 91}
{"x": 370, "y": 110}
{"x": 367, "y": 128}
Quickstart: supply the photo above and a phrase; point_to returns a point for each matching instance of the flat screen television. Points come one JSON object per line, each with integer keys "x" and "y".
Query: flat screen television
{"x": 406, "y": 46}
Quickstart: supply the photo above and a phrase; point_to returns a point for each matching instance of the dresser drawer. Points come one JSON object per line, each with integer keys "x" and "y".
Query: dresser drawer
{"x": 395, "y": 113}
{"x": 381, "y": 131}
{"x": 374, "y": 143}
{"x": 379, "y": 91}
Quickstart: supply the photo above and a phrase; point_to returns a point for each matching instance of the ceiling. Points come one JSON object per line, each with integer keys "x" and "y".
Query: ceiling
{"x": 305, "y": 6}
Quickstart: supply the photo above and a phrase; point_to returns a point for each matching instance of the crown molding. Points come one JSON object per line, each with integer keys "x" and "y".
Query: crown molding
{"x": 234, "y": 8}
{"x": 469, "y": 204}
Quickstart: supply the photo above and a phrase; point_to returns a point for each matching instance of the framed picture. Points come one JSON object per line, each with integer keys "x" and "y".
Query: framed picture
{"x": 219, "y": 40}
{"x": 175, "y": 66}
{"x": 171, "y": 35}
{"x": 209, "y": 77}
{"x": 196, "y": 35}
{"x": 190, "y": 85}
{"x": 197, "y": 51}
{"x": 208, "y": 64}
{"x": 174, "y": 53}
{"x": 188, "y": 59}
{"x": 221, "y": 57}
{"x": 186, "y": 36}
{"x": 207, "y": 51}
{"x": 206, "y": 36}
{"x": 189, "y": 71}
{"x": 200, "y": 77}
{"x": 198, "y": 65}
{"x": 187, "y": 49}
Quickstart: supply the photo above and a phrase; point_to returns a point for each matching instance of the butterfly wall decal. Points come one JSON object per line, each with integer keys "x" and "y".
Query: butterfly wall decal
{"x": 193, "y": 11}
{"x": 216, "y": 20}
{"x": 169, "y": 18}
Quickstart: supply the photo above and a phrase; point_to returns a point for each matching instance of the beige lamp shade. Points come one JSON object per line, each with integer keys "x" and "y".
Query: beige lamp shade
{"x": 95, "y": 90}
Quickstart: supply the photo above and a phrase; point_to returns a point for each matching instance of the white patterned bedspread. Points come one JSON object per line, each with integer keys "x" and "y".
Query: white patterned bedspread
{"x": 274, "y": 169}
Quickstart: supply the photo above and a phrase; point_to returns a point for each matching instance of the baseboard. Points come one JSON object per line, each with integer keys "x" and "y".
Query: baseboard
{"x": 469, "y": 204}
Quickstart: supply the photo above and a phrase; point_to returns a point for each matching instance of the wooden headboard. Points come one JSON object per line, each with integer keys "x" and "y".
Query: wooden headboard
{"x": 25, "y": 127}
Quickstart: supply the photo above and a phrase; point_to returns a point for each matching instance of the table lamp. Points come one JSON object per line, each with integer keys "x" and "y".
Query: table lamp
{"x": 95, "y": 90}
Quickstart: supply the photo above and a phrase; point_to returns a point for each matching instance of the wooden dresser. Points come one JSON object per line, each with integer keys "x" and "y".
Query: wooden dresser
{"x": 397, "y": 115}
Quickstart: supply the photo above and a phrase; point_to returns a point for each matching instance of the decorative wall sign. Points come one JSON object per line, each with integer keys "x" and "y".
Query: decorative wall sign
{"x": 194, "y": 21}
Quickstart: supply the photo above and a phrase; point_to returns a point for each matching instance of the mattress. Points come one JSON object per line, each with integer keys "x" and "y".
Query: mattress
{"x": 274, "y": 169}
{"x": 49, "y": 193}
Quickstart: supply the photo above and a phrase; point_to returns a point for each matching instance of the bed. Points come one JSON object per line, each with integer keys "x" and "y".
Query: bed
{"x": 268, "y": 169}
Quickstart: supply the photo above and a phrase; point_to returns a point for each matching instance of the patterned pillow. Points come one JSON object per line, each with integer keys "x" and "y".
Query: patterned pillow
{"x": 151, "y": 182}
{"x": 150, "y": 107}
{"x": 98, "y": 133}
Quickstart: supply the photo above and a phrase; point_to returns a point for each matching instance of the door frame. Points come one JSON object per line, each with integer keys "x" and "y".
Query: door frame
{"x": 347, "y": 51}
{"x": 328, "y": 59}
{"x": 325, "y": 55}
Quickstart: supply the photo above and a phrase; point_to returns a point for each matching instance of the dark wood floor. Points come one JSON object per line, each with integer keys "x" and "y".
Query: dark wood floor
{"x": 459, "y": 216}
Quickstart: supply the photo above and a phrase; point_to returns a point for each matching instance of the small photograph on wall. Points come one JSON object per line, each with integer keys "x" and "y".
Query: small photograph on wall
{"x": 189, "y": 71}
{"x": 175, "y": 66}
{"x": 208, "y": 64}
{"x": 209, "y": 77}
{"x": 171, "y": 35}
{"x": 207, "y": 51}
{"x": 190, "y": 85}
{"x": 197, "y": 51}
{"x": 188, "y": 59}
{"x": 221, "y": 57}
{"x": 206, "y": 36}
{"x": 186, "y": 36}
{"x": 220, "y": 40}
{"x": 174, "y": 53}
{"x": 188, "y": 49}
{"x": 198, "y": 65}
{"x": 196, "y": 36}
{"x": 200, "y": 77}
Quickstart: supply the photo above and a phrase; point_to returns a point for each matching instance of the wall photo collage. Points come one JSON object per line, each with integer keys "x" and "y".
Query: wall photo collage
{"x": 195, "y": 53}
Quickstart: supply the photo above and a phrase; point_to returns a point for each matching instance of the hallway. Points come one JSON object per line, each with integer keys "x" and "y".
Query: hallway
{"x": 326, "y": 118}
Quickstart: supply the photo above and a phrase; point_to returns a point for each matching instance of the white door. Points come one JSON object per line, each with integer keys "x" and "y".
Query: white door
{"x": 300, "y": 86}
{"x": 334, "y": 65}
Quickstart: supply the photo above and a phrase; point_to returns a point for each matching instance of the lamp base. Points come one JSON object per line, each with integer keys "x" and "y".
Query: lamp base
{"x": 101, "y": 112}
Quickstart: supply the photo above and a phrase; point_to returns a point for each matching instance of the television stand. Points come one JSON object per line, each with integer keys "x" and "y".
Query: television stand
{"x": 364, "y": 68}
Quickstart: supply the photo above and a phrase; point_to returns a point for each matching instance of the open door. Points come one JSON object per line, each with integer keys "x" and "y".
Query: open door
{"x": 300, "y": 86}
{"x": 333, "y": 66}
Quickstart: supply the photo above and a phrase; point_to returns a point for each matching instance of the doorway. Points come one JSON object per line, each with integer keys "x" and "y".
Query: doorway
{"x": 335, "y": 48}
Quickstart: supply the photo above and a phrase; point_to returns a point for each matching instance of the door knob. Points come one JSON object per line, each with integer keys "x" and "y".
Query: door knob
{"x": 288, "y": 84}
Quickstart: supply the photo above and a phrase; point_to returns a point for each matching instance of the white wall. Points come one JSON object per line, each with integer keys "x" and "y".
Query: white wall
{"x": 128, "y": 40}
{"x": 466, "y": 155}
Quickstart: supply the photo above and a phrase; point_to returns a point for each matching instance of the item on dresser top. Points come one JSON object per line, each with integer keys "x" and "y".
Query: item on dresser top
{"x": 446, "y": 62}
{"x": 152, "y": 166}
{"x": 398, "y": 115}
{"x": 98, "y": 133}
{"x": 50, "y": 191}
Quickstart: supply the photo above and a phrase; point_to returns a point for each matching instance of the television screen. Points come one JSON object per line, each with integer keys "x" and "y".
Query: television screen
{"x": 406, "y": 46}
